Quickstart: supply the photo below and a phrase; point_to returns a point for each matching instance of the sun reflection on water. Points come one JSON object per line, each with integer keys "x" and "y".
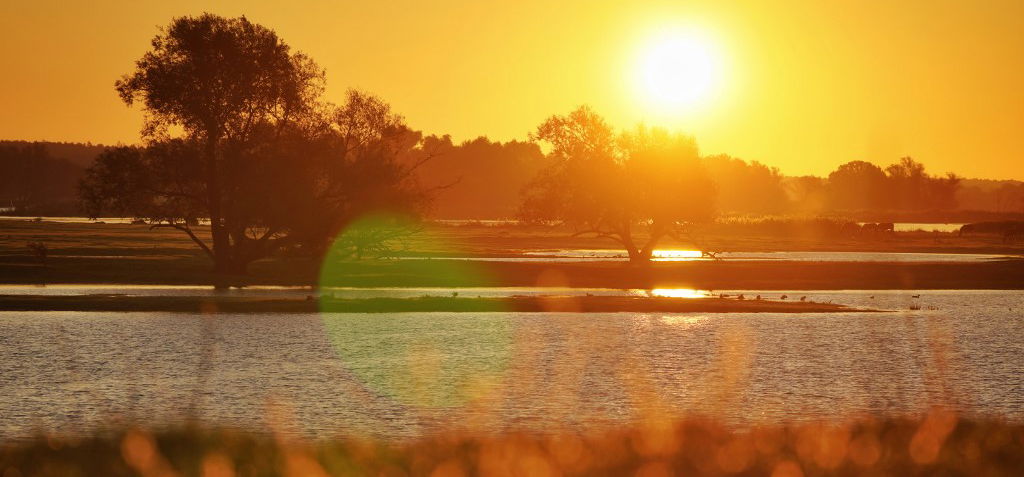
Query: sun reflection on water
{"x": 677, "y": 320}
{"x": 679, "y": 293}
{"x": 676, "y": 254}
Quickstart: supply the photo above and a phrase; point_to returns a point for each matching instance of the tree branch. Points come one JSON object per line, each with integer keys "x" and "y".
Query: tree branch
{"x": 187, "y": 230}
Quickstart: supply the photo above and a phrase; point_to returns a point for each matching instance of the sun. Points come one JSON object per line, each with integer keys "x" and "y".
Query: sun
{"x": 678, "y": 70}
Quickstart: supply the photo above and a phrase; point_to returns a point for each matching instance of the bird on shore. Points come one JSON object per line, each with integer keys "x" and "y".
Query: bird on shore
{"x": 915, "y": 296}
{"x": 784, "y": 297}
{"x": 803, "y": 298}
{"x": 740, "y": 297}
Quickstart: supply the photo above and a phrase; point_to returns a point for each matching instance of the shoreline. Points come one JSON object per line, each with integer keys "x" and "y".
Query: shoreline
{"x": 564, "y": 304}
{"x": 720, "y": 275}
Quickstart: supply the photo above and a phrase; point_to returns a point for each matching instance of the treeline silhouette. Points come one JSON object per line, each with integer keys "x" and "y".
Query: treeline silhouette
{"x": 35, "y": 181}
{"x": 483, "y": 179}
{"x": 480, "y": 179}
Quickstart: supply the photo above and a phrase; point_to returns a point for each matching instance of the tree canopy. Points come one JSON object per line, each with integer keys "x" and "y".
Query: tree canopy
{"x": 237, "y": 134}
{"x": 633, "y": 187}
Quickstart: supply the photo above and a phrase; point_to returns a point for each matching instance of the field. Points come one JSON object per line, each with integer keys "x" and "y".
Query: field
{"x": 134, "y": 254}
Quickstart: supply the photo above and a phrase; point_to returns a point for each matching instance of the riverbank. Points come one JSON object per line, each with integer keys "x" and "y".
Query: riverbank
{"x": 581, "y": 304}
{"x": 133, "y": 254}
{"x": 708, "y": 275}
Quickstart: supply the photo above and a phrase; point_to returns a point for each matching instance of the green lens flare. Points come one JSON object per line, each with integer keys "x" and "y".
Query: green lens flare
{"x": 427, "y": 360}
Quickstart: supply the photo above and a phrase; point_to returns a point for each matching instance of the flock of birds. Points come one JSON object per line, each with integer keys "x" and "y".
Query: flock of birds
{"x": 785, "y": 297}
{"x": 758, "y": 297}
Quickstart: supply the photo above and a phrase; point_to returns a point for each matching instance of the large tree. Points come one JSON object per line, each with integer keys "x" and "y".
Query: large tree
{"x": 237, "y": 138}
{"x": 221, "y": 82}
{"x": 634, "y": 188}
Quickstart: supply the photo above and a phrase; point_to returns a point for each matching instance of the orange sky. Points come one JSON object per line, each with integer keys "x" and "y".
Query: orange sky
{"x": 805, "y": 85}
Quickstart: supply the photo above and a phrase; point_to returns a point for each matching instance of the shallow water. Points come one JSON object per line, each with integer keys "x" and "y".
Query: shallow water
{"x": 604, "y": 255}
{"x": 684, "y": 256}
{"x": 401, "y": 375}
{"x": 913, "y": 226}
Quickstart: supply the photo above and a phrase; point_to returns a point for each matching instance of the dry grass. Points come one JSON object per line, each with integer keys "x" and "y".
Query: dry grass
{"x": 937, "y": 444}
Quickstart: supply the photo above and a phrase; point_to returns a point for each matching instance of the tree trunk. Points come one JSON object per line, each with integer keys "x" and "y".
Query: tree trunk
{"x": 635, "y": 255}
{"x": 221, "y": 245}
{"x": 657, "y": 231}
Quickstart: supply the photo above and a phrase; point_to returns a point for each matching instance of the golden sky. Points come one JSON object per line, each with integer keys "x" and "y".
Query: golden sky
{"x": 804, "y": 86}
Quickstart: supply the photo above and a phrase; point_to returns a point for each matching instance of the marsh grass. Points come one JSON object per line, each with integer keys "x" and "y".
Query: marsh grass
{"x": 938, "y": 443}
{"x": 134, "y": 254}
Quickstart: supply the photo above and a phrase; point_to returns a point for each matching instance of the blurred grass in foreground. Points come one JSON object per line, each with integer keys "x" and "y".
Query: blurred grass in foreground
{"x": 938, "y": 444}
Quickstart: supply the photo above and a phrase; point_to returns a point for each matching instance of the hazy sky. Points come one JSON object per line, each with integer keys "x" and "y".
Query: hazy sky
{"x": 803, "y": 86}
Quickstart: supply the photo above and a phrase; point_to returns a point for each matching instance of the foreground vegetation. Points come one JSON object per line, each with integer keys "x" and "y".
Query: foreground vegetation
{"x": 937, "y": 444}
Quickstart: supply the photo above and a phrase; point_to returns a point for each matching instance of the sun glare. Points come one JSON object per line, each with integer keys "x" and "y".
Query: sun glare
{"x": 678, "y": 70}
{"x": 670, "y": 255}
{"x": 678, "y": 293}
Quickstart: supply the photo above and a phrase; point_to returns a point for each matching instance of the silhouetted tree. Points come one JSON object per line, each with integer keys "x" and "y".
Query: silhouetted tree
{"x": 907, "y": 184}
{"x": 634, "y": 188}
{"x": 858, "y": 185}
{"x": 223, "y": 81}
{"x": 260, "y": 156}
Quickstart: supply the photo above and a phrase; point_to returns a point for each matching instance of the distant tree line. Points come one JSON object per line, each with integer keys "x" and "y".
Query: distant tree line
{"x": 483, "y": 179}
{"x": 34, "y": 181}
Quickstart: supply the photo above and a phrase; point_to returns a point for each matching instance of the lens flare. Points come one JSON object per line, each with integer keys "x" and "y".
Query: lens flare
{"x": 449, "y": 359}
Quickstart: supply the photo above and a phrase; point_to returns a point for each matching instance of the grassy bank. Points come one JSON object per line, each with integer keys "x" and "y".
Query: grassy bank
{"x": 767, "y": 275}
{"x": 392, "y": 305}
{"x": 133, "y": 254}
{"x": 937, "y": 444}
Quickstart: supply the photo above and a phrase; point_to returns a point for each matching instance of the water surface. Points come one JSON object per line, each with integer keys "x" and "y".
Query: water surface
{"x": 403, "y": 374}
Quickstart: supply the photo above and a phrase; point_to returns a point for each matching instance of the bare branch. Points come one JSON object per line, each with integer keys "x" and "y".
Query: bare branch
{"x": 187, "y": 230}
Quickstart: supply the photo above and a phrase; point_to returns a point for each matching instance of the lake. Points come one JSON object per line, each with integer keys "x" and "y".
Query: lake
{"x": 402, "y": 375}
